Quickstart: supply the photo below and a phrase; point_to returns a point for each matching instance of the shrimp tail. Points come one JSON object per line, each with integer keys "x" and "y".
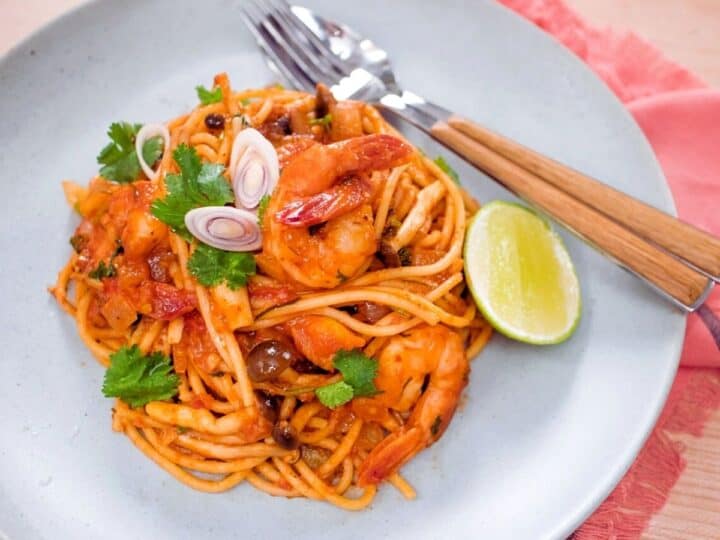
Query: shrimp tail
{"x": 376, "y": 152}
{"x": 367, "y": 153}
{"x": 391, "y": 454}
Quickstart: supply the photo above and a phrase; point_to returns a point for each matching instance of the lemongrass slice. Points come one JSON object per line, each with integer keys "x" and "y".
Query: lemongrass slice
{"x": 148, "y": 131}
{"x": 254, "y": 168}
{"x": 225, "y": 227}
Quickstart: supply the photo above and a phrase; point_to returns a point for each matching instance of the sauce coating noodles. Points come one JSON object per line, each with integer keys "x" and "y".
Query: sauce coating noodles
{"x": 380, "y": 272}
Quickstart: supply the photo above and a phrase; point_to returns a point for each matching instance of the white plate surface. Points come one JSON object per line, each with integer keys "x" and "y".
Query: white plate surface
{"x": 544, "y": 434}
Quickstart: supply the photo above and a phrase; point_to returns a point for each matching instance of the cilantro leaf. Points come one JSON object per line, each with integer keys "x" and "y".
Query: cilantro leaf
{"x": 323, "y": 121}
{"x": 198, "y": 184}
{"x": 334, "y": 395}
{"x": 118, "y": 157}
{"x": 138, "y": 379}
{"x": 358, "y": 371}
{"x": 212, "y": 186}
{"x": 207, "y": 97}
{"x": 212, "y": 266}
{"x": 103, "y": 271}
{"x": 262, "y": 207}
{"x": 152, "y": 150}
{"x": 447, "y": 169}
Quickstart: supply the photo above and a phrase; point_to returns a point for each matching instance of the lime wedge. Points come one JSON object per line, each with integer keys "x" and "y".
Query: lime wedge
{"x": 521, "y": 275}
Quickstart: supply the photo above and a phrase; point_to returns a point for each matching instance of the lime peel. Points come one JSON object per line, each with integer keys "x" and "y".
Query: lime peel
{"x": 521, "y": 275}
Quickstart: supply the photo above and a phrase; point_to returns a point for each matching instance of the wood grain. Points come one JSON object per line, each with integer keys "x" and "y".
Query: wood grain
{"x": 644, "y": 259}
{"x": 679, "y": 238}
{"x": 692, "y": 511}
{"x": 688, "y": 31}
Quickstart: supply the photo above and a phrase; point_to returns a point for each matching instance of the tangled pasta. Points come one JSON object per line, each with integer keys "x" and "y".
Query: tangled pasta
{"x": 361, "y": 254}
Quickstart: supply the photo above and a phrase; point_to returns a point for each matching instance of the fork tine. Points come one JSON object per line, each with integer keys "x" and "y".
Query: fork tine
{"x": 297, "y": 41}
{"x": 306, "y": 32}
{"x": 306, "y": 38}
{"x": 275, "y": 52}
{"x": 298, "y": 52}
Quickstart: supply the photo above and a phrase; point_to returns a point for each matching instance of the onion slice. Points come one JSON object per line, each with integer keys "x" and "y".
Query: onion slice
{"x": 225, "y": 227}
{"x": 254, "y": 168}
{"x": 148, "y": 131}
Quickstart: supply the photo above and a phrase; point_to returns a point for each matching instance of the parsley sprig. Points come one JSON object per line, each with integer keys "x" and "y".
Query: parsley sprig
{"x": 447, "y": 169}
{"x": 198, "y": 184}
{"x": 212, "y": 266}
{"x": 358, "y": 371}
{"x": 138, "y": 379}
{"x": 119, "y": 159}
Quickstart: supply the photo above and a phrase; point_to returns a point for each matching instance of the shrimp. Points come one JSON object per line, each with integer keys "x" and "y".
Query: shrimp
{"x": 318, "y": 338}
{"x": 328, "y": 185}
{"x": 404, "y": 363}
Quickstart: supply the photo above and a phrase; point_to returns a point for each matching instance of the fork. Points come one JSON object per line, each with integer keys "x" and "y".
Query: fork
{"x": 680, "y": 261}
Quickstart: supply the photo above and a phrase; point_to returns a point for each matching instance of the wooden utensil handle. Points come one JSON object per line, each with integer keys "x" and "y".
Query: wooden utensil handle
{"x": 660, "y": 269}
{"x": 699, "y": 248}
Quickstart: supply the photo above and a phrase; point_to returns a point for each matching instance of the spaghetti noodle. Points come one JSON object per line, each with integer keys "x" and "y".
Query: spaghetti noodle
{"x": 399, "y": 297}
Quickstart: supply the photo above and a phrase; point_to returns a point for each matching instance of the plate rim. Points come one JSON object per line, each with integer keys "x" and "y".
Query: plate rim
{"x": 594, "y": 501}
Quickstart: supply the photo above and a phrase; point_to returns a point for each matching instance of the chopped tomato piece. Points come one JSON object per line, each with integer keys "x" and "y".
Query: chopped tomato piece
{"x": 94, "y": 315}
{"x": 163, "y": 301}
{"x": 196, "y": 346}
{"x": 142, "y": 232}
{"x": 118, "y": 311}
{"x": 131, "y": 272}
{"x": 160, "y": 262}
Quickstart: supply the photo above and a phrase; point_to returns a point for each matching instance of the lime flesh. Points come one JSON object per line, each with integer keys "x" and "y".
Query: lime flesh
{"x": 521, "y": 275}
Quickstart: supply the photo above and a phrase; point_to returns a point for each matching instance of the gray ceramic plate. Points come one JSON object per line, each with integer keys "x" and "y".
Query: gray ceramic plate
{"x": 545, "y": 433}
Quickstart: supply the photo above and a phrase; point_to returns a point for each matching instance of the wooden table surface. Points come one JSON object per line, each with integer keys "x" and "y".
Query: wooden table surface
{"x": 688, "y": 31}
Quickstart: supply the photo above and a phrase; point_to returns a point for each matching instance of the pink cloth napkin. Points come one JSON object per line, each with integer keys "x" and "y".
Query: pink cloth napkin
{"x": 680, "y": 117}
{"x": 683, "y": 128}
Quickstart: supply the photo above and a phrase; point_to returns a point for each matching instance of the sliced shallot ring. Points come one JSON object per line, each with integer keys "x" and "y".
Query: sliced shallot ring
{"x": 148, "y": 131}
{"x": 254, "y": 168}
{"x": 225, "y": 227}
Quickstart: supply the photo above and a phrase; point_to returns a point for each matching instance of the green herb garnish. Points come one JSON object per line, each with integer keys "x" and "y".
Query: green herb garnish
{"x": 447, "y": 169}
{"x": 212, "y": 266}
{"x": 262, "y": 208}
{"x": 103, "y": 271}
{"x": 336, "y": 394}
{"x": 358, "y": 371}
{"x": 323, "y": 121}
{"x": 207, "y": 97}
{"x": 198, "y": 184}
{"x": 138, "y": 379}
{"x": 118, "y": 157}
